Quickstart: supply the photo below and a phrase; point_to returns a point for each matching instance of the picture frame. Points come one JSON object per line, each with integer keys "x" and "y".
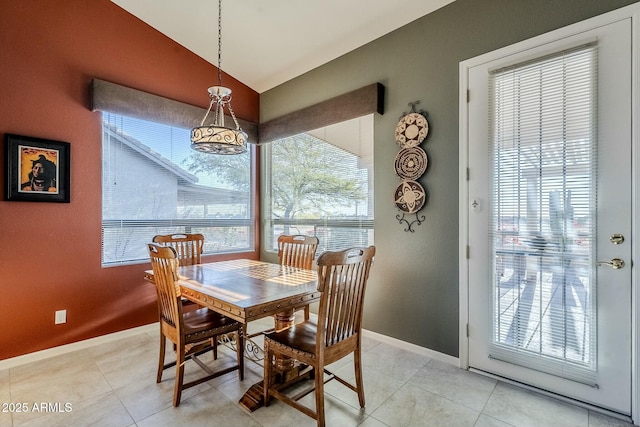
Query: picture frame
{"x": 36, "y": 169}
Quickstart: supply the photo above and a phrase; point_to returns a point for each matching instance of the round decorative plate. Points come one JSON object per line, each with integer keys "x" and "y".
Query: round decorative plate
{"x": 411, "y": 163}
{"x": 410, "y": 196}
{"x": 411, "y": 130}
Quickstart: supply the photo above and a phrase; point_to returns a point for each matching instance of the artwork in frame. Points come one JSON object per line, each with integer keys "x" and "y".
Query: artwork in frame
{"x": 36, "y": 169}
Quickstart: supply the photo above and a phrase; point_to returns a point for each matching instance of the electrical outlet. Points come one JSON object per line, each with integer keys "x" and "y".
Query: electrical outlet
{"x": 61, "y": 316}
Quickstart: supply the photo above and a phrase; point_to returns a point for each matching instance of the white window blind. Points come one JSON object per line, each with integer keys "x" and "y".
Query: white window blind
{"x": 154, "y": 183}
{"x": 543, "y": 153}
{"x": 320, "y": 183}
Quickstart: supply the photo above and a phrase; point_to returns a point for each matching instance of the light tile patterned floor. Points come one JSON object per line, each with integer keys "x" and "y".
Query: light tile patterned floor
{"x": 114, "y": 385}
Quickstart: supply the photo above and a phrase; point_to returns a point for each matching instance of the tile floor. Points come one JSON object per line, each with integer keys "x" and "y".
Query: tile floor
{"x": 114, "y": 385}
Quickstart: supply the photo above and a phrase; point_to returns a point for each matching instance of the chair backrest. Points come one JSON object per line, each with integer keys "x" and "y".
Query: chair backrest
{"x": 297, "y": 250}
{"x": 165, "y": 265}
{"x": 188, "y": 247}
{"x": 342, "y": 278}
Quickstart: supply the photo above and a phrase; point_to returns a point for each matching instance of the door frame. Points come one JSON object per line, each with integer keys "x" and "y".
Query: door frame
{"x": 632, "y": 12}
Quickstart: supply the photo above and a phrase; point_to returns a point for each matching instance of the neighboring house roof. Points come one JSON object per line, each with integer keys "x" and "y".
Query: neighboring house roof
{"x": 201, "y": 194}
{"x": 154, "y": 156}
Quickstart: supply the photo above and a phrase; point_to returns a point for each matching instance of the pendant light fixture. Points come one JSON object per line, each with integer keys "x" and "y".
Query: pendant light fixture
{"x": 216, "y": 138}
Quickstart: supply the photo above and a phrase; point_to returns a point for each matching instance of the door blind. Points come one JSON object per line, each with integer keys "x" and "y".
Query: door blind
{"x": 543, "y": 152}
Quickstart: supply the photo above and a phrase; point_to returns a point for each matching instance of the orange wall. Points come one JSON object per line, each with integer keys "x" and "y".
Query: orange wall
{"x": 50, "y": 252}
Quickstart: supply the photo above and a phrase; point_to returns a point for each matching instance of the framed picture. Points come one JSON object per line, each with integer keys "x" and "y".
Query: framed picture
{"x": 37, "y": 170}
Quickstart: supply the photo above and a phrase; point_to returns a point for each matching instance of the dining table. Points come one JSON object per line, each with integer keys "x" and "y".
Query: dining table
{"x": 248, "y": 290}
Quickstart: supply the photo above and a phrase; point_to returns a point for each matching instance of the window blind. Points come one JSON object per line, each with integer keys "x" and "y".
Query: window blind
{"x": 320, "y": 183}
{"x": 154, "y": 183}
{"x": 543, "y": 132}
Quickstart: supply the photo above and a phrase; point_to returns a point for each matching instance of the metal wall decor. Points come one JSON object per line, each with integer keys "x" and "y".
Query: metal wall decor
{"x": 410, "y": 164}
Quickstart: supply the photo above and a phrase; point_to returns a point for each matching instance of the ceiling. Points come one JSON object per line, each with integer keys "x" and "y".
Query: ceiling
{"x": 266, "y": 43}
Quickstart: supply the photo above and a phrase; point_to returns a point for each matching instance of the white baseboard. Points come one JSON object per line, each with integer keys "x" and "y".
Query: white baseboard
{"x": 412, "y": 348}
{"x": 80, "y": 345}
{"x": 153, "y": 328}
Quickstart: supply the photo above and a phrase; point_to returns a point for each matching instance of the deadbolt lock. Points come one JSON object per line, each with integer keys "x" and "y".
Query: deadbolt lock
{"x": 616, "y": 239}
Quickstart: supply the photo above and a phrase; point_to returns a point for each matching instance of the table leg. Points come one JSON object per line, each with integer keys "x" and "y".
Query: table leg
{"x": 254, "y": 399}
{"x": 284, "y": 320}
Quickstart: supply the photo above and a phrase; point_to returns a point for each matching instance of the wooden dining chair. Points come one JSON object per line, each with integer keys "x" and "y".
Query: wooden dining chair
{"x": 192, "y": 333}
{"x": 342, "y": 278}
{"x": 298, "y": 251}
{"x": 188, "y": 248}
{"x": 294, "y": 251}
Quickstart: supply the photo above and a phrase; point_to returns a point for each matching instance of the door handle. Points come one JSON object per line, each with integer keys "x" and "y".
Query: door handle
{"x": 615, "y": 263}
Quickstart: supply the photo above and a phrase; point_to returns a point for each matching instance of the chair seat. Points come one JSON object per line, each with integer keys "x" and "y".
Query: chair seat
{"x": 204, "y": 319}
{"x": 301, "y": 336}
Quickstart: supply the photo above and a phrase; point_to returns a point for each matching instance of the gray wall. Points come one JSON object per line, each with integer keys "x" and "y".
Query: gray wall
{"x": 413, "y": 291}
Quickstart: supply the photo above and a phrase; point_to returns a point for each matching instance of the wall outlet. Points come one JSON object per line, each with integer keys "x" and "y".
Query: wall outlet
{"x": 61, "y": 316}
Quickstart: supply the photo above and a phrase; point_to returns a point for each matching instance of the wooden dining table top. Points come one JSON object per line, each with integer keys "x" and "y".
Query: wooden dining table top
{"x": 245, "y": 289}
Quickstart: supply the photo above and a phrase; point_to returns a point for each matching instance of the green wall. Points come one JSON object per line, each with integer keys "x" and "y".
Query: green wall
{"x": 413, "y": 291}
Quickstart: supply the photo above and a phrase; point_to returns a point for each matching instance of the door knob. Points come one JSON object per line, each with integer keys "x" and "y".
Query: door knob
{"x": 615, "y": 263}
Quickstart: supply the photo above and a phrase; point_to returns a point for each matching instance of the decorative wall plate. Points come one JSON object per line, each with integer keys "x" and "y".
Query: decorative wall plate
{"x": 411, "y": 163}
{"x": 410, "y": 196}
{"x": 411, "y": 130}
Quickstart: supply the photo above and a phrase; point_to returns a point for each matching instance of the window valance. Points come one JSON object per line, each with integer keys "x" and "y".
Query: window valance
{"x": 115, "y": 98}
{"x": 360, "y": 102}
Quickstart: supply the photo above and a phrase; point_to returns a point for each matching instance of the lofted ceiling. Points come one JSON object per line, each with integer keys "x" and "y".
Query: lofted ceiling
{"x": 267, "y": 42}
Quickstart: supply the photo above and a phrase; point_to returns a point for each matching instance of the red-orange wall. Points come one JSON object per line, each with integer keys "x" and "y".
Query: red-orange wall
{"x": 50, "y": 252}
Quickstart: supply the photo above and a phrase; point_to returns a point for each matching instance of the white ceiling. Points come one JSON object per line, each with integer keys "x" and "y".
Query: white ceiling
{"x": 265, "y": 43}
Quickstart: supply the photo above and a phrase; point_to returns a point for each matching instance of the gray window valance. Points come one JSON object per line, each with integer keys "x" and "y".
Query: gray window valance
{"x": 107, "y": 96}
{"x": 360, "y": 102}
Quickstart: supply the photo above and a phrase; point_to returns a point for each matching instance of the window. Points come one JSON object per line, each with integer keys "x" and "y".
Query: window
{"x": 543, "y": 117}
{"x": 320, "y": 183}
{"x": 153, "y": 183}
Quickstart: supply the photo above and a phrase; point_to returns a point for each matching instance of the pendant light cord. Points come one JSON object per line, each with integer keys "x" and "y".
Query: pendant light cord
{"x": 220, "y": 42}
